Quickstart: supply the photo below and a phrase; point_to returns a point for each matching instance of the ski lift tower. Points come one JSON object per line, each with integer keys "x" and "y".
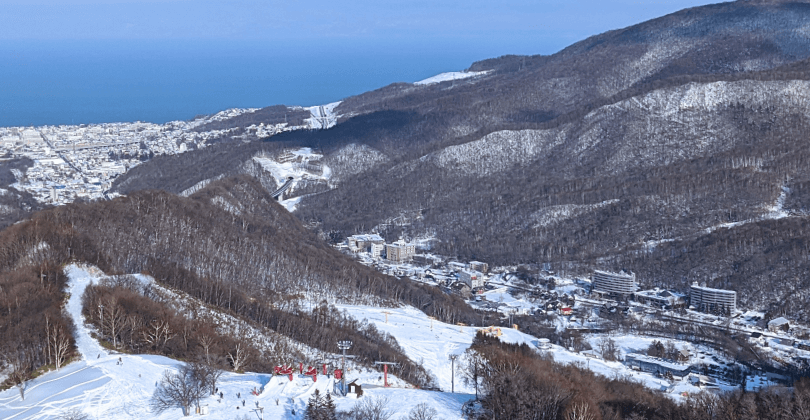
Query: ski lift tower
{"x": 343, "y": 345}
{"x": 385, "y": 369}
{"x": 453, "y": 372}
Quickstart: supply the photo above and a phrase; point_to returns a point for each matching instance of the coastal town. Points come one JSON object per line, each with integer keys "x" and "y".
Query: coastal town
{"x": 70, "y": 162}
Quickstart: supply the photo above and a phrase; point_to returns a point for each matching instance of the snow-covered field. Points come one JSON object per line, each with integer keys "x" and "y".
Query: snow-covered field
{"x": 101, "y": 387}
{"x": 429, "y": 342}
{"x": 433, "y": 346}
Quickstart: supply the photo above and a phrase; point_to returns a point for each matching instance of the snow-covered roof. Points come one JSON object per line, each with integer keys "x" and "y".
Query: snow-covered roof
{"x": 367, "y": 237}
{"x": 660, "y": 362}
{"x": 778, "y": 322}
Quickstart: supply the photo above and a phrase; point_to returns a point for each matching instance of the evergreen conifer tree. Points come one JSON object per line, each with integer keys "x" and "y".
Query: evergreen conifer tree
{"x": 314, "y": 407}
{"x": 329, "y": 410}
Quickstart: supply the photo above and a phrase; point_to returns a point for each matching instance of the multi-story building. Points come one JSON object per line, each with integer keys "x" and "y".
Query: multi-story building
{"x": 363, "y": 243}
{"x": 400, "y": 251}
{"x": 474, "y": 279}
{"x": 706, "y": 299}
{"x": 616, "y": 284}
{"x": 376, "y": 249}
{"x": 479, "y": 266}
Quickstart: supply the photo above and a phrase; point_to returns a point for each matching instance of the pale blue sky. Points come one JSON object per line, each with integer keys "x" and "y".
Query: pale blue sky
{"x": 511, "y": 26}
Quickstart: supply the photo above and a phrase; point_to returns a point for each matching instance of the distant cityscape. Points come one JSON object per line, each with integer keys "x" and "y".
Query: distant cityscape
{"x": 73, "y": 162}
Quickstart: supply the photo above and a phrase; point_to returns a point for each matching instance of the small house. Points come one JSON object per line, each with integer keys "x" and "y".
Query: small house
{"x": 566, "y": 311}
{"x": 355, "y": 388}
{"x": 779, "y": 324}
{"x": 683, "y": 356}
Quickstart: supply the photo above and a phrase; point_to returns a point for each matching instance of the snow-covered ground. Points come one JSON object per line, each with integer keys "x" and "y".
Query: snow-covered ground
{"x": 281, "y": 171}
{"x": 322, "y": 116}
{"x": 429, "y": 342}
{"x": 101, "y": 387}
{"x": 453, "y": 75}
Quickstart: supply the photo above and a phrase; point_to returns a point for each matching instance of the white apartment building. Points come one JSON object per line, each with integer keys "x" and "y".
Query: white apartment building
{"x": 609, "y": 283}
{"x": 706, "y": 299}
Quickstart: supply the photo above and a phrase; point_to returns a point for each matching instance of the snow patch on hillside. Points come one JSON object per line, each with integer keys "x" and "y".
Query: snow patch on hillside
{"x": 200, "y": 185}
{"x": 280, "y": 171}
{"x": 353, "y": 159}
{"x": 300, "y": 164}
{"x": 430, "y": 342}
{"x": 452, "y": 75}
{"x": 553, "y": 214}
{"x": 497, "y": 151}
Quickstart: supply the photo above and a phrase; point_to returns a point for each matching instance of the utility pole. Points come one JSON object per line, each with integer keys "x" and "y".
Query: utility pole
{"x": 343, "y": 345}
{"x": 453, "y": 373}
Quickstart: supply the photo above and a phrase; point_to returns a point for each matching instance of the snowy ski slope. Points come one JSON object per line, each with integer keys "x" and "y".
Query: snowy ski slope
{"x": 102, "y": 388}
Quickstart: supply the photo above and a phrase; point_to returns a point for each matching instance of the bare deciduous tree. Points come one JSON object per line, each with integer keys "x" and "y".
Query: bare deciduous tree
{"x": 206, "y": 341}
{"x": 239, "y": 356}
{"x": 474, "y": 368}
{"x": 580, "y": 411}
{"x": 114, "y": 319}
{"x": 608, "y": 349}
{"x": 183, "y": 389}
{"x": 158, "y": 333}
{"x": 422, "y": 411}
{"x": 59, "y": 344}
{"x": 371, "y": 409}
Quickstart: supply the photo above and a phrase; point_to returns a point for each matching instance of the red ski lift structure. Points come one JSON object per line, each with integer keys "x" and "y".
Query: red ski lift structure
{"x": 284, "y": 370}
{"x": 385, "y": 370}
{"x": 312, "y": 371}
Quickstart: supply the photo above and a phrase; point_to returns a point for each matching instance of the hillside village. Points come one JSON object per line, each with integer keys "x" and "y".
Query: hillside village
{"x": 582, "y": 312}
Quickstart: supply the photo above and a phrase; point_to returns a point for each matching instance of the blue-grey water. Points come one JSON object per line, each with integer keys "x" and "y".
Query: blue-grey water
{"x": 75, "y": 82}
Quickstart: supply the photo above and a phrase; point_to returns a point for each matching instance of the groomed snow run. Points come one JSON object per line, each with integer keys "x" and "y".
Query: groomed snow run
{"x": 453, "y": 75}
{"x": 322, "y": 116}
{"x": 100, "y": 387}
{"x": 430, "y": 342}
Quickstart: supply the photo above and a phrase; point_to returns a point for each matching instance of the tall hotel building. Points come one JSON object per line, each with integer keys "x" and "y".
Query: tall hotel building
{"x": 607, "y": 283}
{"x": 706, "y": 299}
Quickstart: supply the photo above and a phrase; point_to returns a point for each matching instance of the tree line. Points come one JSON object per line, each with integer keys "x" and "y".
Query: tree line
{"x": 519, "y": 383}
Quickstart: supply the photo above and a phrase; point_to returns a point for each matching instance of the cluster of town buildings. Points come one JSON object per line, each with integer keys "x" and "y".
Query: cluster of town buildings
{"x": 82, "y": 161}
{"x": 471, "y": 274}
{"x": 700, "y": 369}
{"x": 701, "y": 298}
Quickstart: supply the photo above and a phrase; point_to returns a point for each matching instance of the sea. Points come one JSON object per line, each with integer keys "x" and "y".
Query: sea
{"x": 97, "y": 81}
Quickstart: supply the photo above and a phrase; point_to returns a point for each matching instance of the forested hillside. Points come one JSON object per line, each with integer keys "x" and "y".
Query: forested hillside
{"x": 666, "y": 148}
{"x": 229, "y": 246}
